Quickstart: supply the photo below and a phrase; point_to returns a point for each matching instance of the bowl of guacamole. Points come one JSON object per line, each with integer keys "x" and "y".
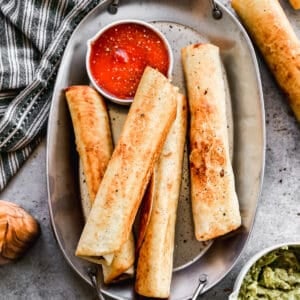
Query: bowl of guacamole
{"x": 273, "y": 273}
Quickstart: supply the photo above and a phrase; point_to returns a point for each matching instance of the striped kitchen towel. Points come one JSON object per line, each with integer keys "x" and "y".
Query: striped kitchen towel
{"x": 33, "y": 36}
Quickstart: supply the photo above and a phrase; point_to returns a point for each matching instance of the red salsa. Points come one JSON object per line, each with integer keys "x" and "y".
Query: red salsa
{"x": 119, "y": 56}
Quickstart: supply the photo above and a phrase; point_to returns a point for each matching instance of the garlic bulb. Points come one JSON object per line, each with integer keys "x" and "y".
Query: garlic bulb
{"x": 18, "y": 229}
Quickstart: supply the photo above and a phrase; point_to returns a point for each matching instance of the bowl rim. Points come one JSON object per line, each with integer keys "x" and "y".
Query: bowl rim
{"x": 150, "y": 26}
{"x": 240, "y": 278}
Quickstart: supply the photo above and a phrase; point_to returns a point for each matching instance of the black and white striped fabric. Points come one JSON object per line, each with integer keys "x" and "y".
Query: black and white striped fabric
{"x": 33, "y": 36}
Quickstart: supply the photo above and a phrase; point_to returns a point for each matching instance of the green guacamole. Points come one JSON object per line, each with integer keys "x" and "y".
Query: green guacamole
{"x": 274, "y": 276}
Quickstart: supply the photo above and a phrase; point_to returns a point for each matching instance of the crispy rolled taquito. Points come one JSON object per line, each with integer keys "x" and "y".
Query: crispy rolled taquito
{"x": 214, "y": 202}
{"x": 92, "y": 133}
{"x": 93, "y": 141}
{"x": 148, "y": 122}
{"x": 295, "y": 4}
{"x": 272, "y": 32}
{"x": 155, "y": 263}
{"x": 116, "y": 266}
{"x": 94, "y": 144}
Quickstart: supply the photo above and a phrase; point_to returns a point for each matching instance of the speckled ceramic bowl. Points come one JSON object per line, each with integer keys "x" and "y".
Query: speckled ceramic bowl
{"x": 239, "y": 280}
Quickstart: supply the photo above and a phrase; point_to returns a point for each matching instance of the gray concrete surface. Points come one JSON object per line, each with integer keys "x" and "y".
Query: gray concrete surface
{"x": 44, "y": 274}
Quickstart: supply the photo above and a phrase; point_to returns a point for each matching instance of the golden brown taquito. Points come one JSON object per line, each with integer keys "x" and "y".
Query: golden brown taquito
{"x": 115, "y": 266}
{"x": 155, "y": 262}
{"x": 272, "y": 32}
{"x": 92, "y": 133}
{"x": 94, "y": 144}
{"x": 295, "y": 4}
{"x": 214, "y": 201}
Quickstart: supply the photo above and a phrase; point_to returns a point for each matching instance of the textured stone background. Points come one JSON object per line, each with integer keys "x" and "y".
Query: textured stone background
{"x": 44, "y": 274}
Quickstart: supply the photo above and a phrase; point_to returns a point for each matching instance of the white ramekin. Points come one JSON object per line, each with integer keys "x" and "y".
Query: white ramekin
{"x": 99, "y": 33}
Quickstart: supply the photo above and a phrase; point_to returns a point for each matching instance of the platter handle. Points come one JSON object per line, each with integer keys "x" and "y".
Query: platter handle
{"x": 201, "y": 286}
{"x": 113, "y": 7}
{"x": 93, "y": 276}
{"x": 216, "y": 11}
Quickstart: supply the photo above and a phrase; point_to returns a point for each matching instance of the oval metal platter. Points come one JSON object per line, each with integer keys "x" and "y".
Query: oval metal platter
{"x": 183, "y": 23}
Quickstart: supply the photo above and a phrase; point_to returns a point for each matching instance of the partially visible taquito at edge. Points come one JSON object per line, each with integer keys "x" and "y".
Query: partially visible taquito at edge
{"x": 155, "y": 259}
{"x": 272, "y": 32}
{"x": 94, "y": 144}
{"x": 215, "y": 205}
{"x": 295, "y": 4}
{"x": 148, "y": 122}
